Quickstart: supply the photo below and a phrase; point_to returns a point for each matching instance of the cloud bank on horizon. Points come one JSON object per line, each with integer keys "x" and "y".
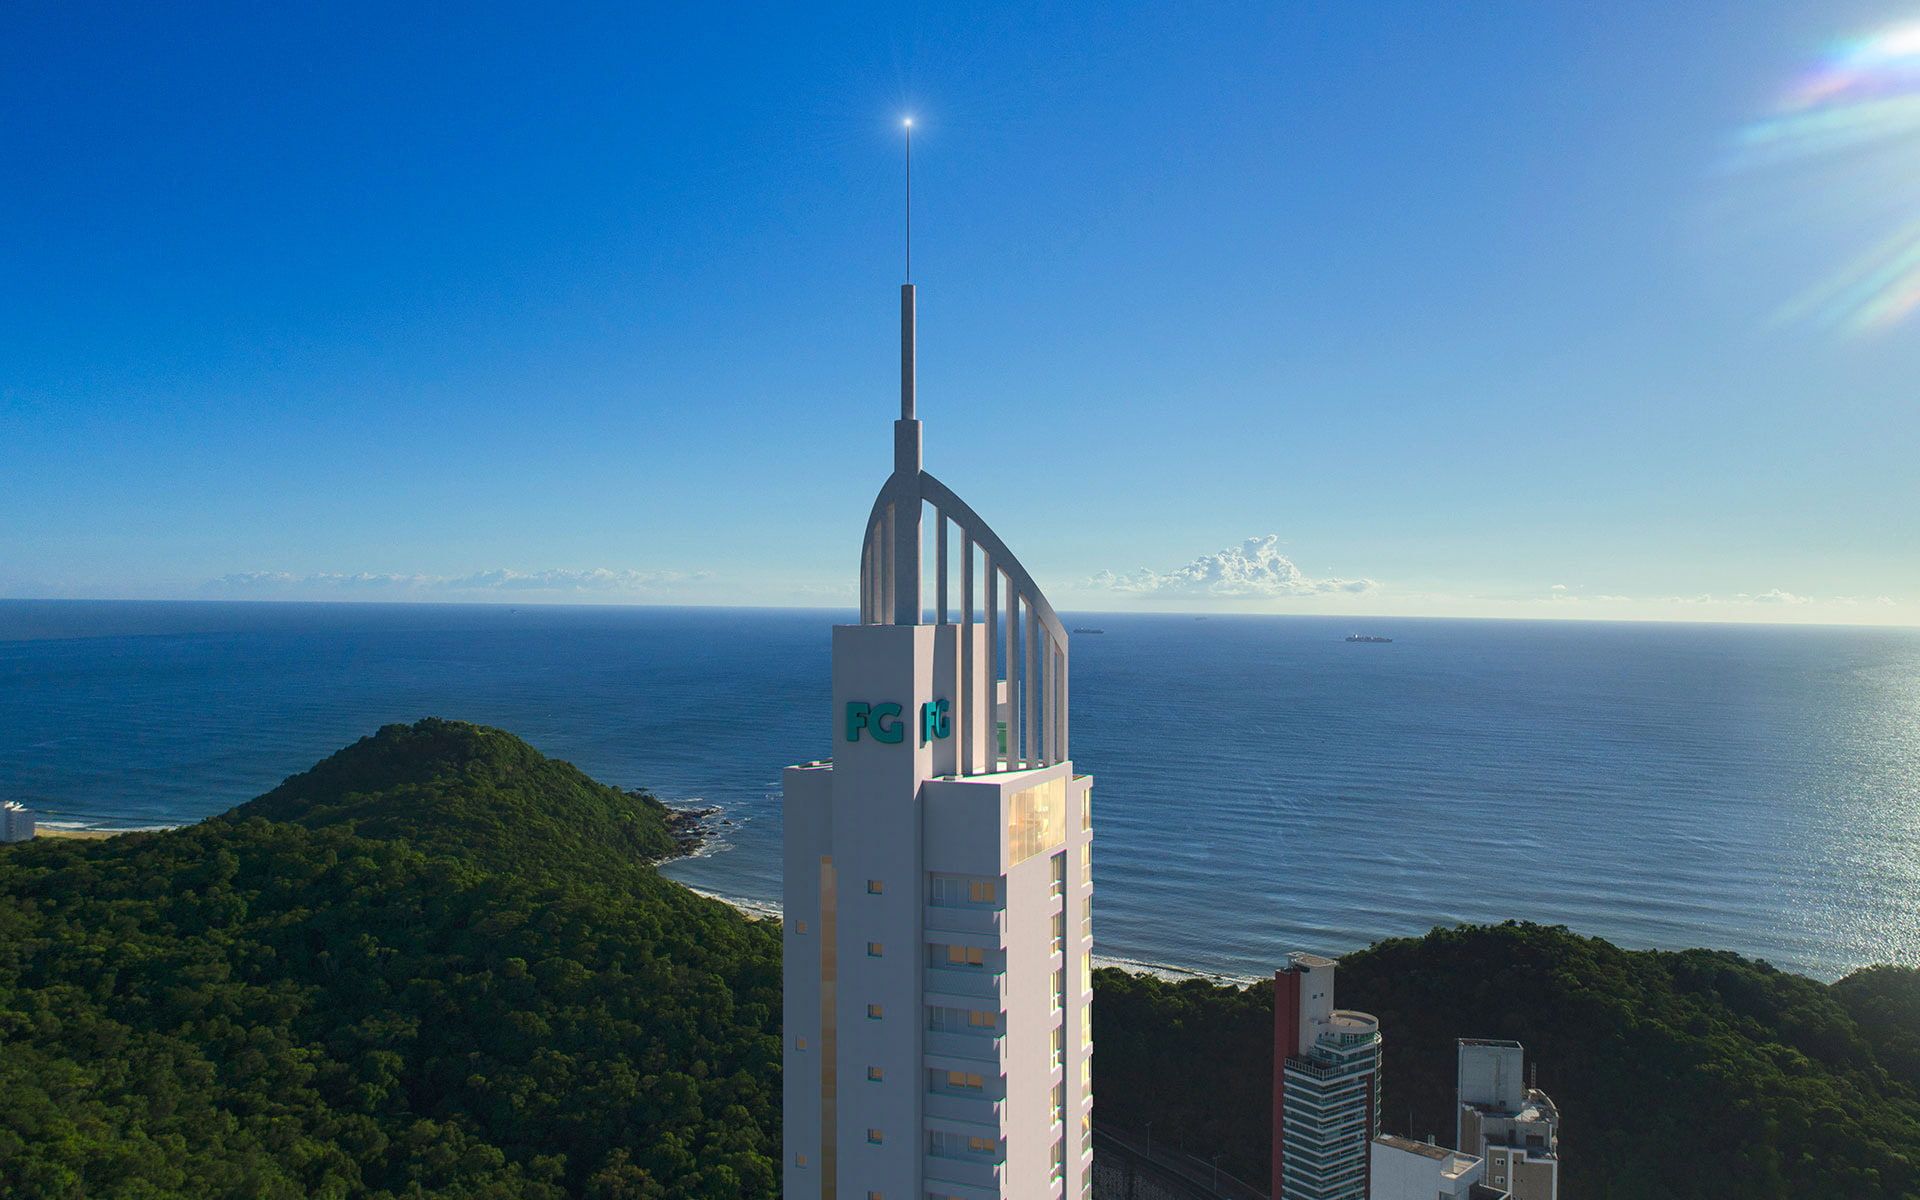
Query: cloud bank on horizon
{"x": 1255, "y": 568}
{"x": 595, "y": 581}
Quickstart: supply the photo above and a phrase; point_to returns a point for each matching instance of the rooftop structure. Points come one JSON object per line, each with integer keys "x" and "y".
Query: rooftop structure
{"x": 1326, "y": 1086}
{"x": 1513, "y": 1126}
{"x": 1404, "y": 1169}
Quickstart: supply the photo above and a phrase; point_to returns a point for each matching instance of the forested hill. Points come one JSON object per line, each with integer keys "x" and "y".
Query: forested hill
{"x": 474, "y": 793}
{"x": 439, "y": 964}
{"x": 1691, "y": 1075}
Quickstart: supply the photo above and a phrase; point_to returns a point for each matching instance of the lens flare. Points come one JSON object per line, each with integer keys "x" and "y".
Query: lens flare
{"x": 1845, "y": 139}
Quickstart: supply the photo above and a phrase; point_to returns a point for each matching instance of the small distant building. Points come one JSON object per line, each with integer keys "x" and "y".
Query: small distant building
{"x": 1326, "y": 1086}
{"x": 16, "y": 822}
{"x": 1514, "y": 1127}
{"x": 1404, "y": 1169}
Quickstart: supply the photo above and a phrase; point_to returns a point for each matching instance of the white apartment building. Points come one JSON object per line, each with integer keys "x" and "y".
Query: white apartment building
{"x": 1514, "y": 1127}
{"x": 938, "y": 883}
{"x": 1326, "y": 1086}
{"x": 16, "y": 822}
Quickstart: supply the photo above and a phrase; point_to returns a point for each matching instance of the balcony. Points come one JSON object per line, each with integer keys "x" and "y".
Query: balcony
{"x": 966, "y": 1170}
{"x": 969, "y": 984}
{"x": 979, "y": 1109}
{"x": 985, "y": 922}
{"x": 968, "y": 1047}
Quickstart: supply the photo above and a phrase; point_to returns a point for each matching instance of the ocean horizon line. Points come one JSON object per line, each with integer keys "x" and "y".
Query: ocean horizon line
{"x": 549, "y": 605}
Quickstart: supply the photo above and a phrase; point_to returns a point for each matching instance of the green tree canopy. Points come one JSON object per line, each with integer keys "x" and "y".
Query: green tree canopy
{"x": 438, "y": 963}
{"x": 1690, "y": 1075}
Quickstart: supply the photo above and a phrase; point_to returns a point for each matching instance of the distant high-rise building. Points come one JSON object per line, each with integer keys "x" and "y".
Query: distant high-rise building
{"x": 1326, "y": 1086}
{"x": 1514, "y": 1127}
{"x": 937, "y": 877}
{"x": 1404, "y": 1169}
{"x": 16, "y": 822}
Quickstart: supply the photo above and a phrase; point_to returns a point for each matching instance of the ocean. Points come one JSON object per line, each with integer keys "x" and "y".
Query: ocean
{"x": 1260, "y": 784}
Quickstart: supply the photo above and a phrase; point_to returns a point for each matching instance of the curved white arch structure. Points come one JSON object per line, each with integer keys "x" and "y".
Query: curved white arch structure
{"x": 1027, "y": 645}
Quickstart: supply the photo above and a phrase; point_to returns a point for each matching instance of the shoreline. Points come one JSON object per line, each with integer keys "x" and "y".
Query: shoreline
{"x": 89, "y": 833}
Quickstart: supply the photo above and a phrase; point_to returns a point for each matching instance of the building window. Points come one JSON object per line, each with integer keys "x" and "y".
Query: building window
{"x": 799, "y": 926}
{"x": 966, "y": 956}
{"x": 875, "y": 1196}
{"x": 1059, "y": 932}
{"x": 1036, "y": 820}
{"x": 799, "y": 1043}
{"x": 799, "y": 1160}
{"x": 875, "y": 1137}
{"x": 954, "y": 891}
{"x": 875, "y": 950}
{"x": 873, "y": 1012}
{"x": 964, "y": 1081}
{"x": 1086, "y": 809}
{"x": 950, "y": 1145}
{"x": 959, "y": 1020}
{"x": 875, "y": 1074}
{"x": 875, "y": 887}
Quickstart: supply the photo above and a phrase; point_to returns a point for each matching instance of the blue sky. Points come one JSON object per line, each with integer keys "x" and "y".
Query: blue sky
{"x": 1387, "y": 308}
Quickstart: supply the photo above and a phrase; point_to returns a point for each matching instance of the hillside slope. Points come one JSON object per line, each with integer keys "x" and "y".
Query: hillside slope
{"x": 1696, "y": 1075}
{"x": 378, "y": 980}
{"x": 471, "y": 792}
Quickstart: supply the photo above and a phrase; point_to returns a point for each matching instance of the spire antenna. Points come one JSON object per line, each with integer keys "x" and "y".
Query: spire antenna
{"x": 907, "y": 458}
{"x": 907, "y": 124}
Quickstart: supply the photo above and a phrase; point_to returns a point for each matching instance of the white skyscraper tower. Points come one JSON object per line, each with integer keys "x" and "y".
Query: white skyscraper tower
{"x": 938, "y": 884}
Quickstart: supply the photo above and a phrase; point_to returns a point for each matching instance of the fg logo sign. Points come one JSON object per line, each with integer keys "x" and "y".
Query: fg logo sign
{"x": 882, "y": 721}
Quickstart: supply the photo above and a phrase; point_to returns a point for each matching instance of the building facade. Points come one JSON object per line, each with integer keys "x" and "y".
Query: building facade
{"x": 1514, "y": 1127}
{"x": 938, "y": 878}
{"x": 16, "y": 822}
{"x": 1326, "y": 1087}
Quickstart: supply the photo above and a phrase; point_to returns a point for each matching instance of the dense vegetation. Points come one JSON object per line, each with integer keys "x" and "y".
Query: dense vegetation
{"x": 1696, "y": 1074}
{"x": 437, "y": 964}
{"x": 441, "y": 964}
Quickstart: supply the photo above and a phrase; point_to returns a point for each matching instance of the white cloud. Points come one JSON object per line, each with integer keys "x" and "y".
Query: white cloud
{"x": 1770, "y": 596}
{"x": 1254, "y": 568}
{"x": 1560, "y": 593}
{"x": 594, "y": 581}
